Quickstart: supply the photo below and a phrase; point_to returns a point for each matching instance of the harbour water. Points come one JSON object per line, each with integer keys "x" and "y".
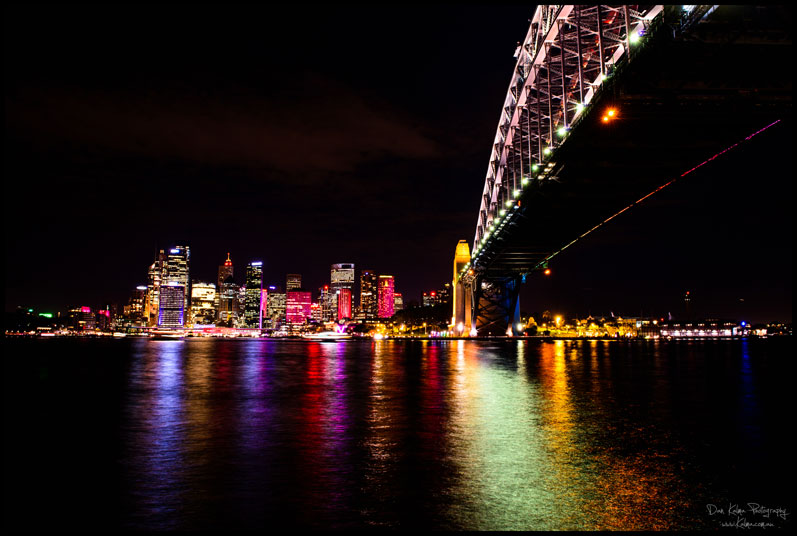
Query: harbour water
{"x": 526, "y": 435}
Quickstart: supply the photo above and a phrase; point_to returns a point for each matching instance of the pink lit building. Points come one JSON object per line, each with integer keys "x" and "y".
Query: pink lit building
{"x": 386, "y": 303}
{"x": 344, "y": 303}
{"x": 298, "y": 305}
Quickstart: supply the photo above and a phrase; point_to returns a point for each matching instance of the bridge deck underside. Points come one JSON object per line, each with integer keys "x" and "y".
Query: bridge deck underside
{"x": 681, "y": 104}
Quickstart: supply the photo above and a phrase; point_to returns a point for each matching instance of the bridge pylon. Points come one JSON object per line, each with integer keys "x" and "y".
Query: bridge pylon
{"x": 461, "y": 319}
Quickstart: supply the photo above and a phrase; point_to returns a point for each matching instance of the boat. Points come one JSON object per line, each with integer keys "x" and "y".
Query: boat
{"x": 327, "y": 336}
{"x": 167, "y": 334}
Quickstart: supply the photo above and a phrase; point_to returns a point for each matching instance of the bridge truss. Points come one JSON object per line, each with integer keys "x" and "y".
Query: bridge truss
{"x": 569, "y": 54}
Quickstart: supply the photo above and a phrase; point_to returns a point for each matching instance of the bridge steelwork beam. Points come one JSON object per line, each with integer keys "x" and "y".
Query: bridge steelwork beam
{"x": 588, "y": 39}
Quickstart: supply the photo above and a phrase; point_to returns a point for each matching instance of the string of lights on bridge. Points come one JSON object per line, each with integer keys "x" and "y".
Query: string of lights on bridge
{"x": 540, "y": 171}
{"x": 610, "y": 114}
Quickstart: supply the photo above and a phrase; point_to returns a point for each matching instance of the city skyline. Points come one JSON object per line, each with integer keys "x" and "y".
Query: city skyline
{"x": 241, "y": 145}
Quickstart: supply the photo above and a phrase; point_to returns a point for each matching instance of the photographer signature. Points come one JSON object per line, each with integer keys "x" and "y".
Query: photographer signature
{"x": 750, "y": 515}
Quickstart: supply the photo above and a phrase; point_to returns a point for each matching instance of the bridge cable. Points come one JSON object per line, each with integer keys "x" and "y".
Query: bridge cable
{"x": 663, "y": 186}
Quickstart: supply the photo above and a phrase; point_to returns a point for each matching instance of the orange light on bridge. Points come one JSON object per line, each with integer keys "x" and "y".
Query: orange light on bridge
{"x": 547, "y": 271}
{"x": 610, "y": 114}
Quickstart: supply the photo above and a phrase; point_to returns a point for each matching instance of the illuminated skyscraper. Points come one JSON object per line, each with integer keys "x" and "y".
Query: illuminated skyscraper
{"x": 293, "y": 282}
{"x": 315, "y": 312}
{"x": 265, "y": 321}
{"x": 253, "y": 316}
{"x": 341, "y": 276}
{"x": 241, "y": 321}
{"x": 386, "y": 285}
{"x": 171, "y": 311}
{"x": 368, "y": 295}
{"x": 276, "y": 306}
{"x": 398, "y": 302}
{"x": 344, "y": 303}
{"x": 227, "y": 313}
{"x": 134, "y": 311}
{"x": 203, "y": 304}
{"x": 154, "y": 276}
{"x": 325, "y": 300}
{"x": 225, "y": 271}
{"x": 177, "y": 272}
{"x": 297, "y": 304}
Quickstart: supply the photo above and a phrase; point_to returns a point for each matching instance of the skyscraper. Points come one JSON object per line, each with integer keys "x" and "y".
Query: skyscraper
{"x": 398, "y": 302}
{"x": 276, "y": 306}
{"x": 324, "y": 299}
{"x": 203, "y": 303}
{"x": 253, "y": 315}
{"x": 241, "y": 303}
{"x": 171, "y": 310}
{"x": 225, "y": 271}
{"x": 368, "y": 295}
{"x": 176, "y": 272}
{"x": 341, "y": 276}
{"x": 344, "y": 303}
{"x": 154, "y": 275}
{"x": 386, "y": 304}
{"x": 135, "y": 309}
{"x": 293, "y": 282}
{"x": 227, "y": 313}
{"x": 297, "y": 304}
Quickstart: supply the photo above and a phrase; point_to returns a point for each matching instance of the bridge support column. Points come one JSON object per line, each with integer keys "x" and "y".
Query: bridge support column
{"x": 461, "y": 318}
{"x": 496, "y": 305}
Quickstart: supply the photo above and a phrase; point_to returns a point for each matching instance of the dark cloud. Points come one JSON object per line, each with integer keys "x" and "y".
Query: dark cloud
{"x": 320, "y": 127}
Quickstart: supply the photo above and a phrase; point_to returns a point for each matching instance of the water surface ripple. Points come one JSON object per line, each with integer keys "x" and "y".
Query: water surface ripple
{"x": 501, "y": 435}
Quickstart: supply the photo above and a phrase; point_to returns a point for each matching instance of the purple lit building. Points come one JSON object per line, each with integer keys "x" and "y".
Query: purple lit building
{"x": 171, "y": 311}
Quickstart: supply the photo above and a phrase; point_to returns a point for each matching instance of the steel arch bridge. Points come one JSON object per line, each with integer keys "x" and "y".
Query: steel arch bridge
{"x": 550, "y": 156}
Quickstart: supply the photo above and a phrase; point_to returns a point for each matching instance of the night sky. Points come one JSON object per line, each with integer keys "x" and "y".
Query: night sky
{"x": 314, "y": 136}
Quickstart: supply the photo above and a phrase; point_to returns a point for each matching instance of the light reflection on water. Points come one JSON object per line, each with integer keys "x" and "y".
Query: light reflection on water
{"x": 450, "y": 434}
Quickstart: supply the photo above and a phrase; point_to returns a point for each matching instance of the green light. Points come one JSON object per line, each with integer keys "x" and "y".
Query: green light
{"x": 562, "y": 132}
{"x": 634, "y": 38}
{"x": 524, "y": 181}
{"x": 535, "y": 167}
{"x": 509, "y": 203}
{"x": 547, "y": 150}
{"x": 502, "y": 212}
{"x": 46, "y": 315}
{"x": 579, "y": 108}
